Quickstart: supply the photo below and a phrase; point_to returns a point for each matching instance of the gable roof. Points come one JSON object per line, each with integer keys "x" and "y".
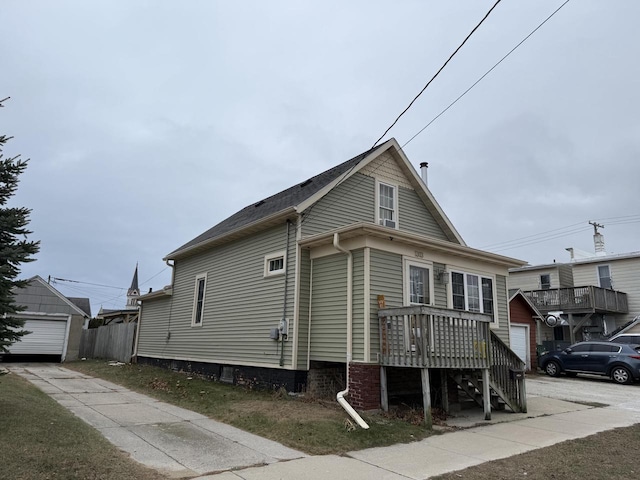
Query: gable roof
{"x": 74, "y": 308}
{"x": 298, "y": 198}
{"x": 518, "y": 293}
{"x": 82, "y": 303}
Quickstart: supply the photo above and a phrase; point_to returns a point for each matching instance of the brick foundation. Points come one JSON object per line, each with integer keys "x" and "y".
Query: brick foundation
{"x": 325, "y": 380}
{"x": 364, "y": 386}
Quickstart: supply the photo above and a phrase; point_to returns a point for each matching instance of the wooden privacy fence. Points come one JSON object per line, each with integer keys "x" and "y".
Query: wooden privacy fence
{"x": 114, "y": 342}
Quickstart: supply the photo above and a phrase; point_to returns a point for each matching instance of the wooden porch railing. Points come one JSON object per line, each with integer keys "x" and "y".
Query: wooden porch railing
{"x": 579, "y": 299}
{"x": 507, "y": 375}
{"x": 429, "y": 337}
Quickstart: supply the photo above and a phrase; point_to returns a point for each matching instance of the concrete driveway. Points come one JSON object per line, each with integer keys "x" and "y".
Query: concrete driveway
{"x": 586, "y": 388}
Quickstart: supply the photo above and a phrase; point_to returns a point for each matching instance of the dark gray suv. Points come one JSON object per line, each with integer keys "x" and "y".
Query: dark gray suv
{"x": 619, "y": 361}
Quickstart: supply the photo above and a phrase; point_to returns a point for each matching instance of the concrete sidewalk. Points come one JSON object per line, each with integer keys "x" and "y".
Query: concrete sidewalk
{"x": 183, "y": 443}
{"x": 175, "y": 441}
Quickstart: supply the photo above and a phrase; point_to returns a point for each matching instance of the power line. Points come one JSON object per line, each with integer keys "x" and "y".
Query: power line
{"x": 85, "y": 283}
{"x": 486, "y": 73}
{"x": 437, "y": 73}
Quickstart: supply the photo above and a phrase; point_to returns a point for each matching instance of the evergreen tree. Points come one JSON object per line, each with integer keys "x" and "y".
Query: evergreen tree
{"x": 15, "y": 249}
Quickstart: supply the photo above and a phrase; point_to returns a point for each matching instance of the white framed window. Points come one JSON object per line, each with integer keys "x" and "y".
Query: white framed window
{"x": 198, "y": 300}
{"x": 418, "y": 284}
{"x": 275, "y": 264}
{"x": 604, "y": 276}
{"x": 545, "y": 281}
{"x": 473, "y": 292}
{"x": 386, "y": 204}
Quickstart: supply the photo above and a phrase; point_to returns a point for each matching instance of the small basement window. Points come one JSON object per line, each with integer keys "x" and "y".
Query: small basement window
{"x": 274, "y": 264}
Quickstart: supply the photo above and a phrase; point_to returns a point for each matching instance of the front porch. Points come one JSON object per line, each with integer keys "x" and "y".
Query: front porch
{"x": 456, "y": 345}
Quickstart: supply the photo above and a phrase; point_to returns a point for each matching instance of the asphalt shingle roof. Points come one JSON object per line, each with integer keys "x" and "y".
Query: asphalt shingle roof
{"x": 288, "y": 198}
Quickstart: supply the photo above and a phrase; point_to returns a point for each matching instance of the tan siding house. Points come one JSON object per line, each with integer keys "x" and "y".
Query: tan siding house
{"x": 289, "y": 288}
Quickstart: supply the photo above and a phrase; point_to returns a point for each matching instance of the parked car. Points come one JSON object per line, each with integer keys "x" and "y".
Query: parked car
{"x": 632, "y": 338}
{"x": 619, "y": 361}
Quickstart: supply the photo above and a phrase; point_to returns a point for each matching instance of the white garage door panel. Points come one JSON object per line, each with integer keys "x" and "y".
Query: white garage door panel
{"x": 46, "y": 338}
{"x": 519, "y": 341}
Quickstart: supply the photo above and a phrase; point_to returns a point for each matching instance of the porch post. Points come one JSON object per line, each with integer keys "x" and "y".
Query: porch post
{"x": 384, "y": 393}
{"x": 444, "y": 387}
{"x": 572, "y": 334}
{"x": 486, "y": 394}
{"x": 426, "y": 398}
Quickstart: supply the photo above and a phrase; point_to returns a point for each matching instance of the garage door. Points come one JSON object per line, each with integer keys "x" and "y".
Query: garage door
{"x": 46, "y": 338}
{"x": 519, "y": 342}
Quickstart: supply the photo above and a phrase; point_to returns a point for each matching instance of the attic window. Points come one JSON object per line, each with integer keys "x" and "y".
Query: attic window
{"x": 305, "y": 183}
{"x": 261, "y": 202}
{"x": 274, "y": 264}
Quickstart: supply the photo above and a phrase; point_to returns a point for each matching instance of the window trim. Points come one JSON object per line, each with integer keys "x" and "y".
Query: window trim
{"x": 199, "y": 277}
{"x": 542, "y": 285}
{"x": 599, "y": 277}
{"x": 275, "y": 256}
{"x": 407, "y": 263}
{"x": 480, "y": 276}
{"x": 395, "y": 203}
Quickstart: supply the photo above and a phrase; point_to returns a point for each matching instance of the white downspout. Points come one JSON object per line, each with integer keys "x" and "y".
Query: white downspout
{"x": 340, "y": 396}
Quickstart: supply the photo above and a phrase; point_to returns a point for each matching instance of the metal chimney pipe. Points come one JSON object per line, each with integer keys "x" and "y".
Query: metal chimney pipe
{"x": 423, "y": 172}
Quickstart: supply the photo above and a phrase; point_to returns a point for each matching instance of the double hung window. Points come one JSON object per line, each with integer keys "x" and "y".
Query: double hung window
{"x": 387, "y": 214}
{"x": 604, "y": 276}
{"x": 198, "y": 300}
{"x": 471, "y": 292}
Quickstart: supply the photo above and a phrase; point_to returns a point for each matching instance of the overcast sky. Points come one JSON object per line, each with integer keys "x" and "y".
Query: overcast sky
{"x": 147, "y": 122}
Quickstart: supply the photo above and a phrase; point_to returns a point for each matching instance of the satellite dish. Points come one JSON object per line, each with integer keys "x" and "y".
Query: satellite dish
{"x": 551, "y": 320}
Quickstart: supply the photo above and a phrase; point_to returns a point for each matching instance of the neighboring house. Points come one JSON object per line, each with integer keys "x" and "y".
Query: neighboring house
{"x": 55, "y": 322}
{"x": 288, "y": 291}
{"x": 525, "y": 325}
{"x": 127, "y": 314}
{"x": 592, "y": 296}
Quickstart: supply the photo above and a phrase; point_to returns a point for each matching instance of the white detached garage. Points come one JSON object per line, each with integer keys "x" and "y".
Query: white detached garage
{"x": 54, "y": 321}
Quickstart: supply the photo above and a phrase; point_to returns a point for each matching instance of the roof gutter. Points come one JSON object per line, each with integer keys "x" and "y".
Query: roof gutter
{"x": 340, "y": 395}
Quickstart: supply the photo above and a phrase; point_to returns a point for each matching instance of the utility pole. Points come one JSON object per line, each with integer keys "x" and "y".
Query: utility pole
{"x": 595, "y": 227}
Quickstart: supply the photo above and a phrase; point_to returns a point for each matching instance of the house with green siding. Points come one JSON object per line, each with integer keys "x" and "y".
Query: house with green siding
{"x": 354, "y": 280}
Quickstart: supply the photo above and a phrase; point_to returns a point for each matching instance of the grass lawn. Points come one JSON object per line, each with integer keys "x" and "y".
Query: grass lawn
{"x": 40, "y": 439}
{"x": 610, "y": 455}
{"x": 312, "y": 426}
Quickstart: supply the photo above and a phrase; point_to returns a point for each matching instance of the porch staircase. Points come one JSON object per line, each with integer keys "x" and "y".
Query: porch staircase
{"x": 506, "y": 380}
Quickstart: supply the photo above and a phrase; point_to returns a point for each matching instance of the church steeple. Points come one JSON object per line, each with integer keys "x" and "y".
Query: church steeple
{"x": 134, "y": 292}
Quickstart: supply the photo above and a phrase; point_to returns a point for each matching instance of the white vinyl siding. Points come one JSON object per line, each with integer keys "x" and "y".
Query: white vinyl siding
{"x": 625, "y": 274}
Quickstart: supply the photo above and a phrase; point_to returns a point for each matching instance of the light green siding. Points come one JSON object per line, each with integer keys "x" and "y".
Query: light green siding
{"x": 350, "y": 202}
{"x": 329, "y": 309}
{"x": 386, "y": 279}
{"x": 241, "y": 304}
{"x": 502, "y": 308}
{"x": 154, "y": 327}
{"x": 303, "y": 309}
{"x": 439, "y": 288}
{"x": 414, "y": 217}
{"x": 358, "y": 305}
